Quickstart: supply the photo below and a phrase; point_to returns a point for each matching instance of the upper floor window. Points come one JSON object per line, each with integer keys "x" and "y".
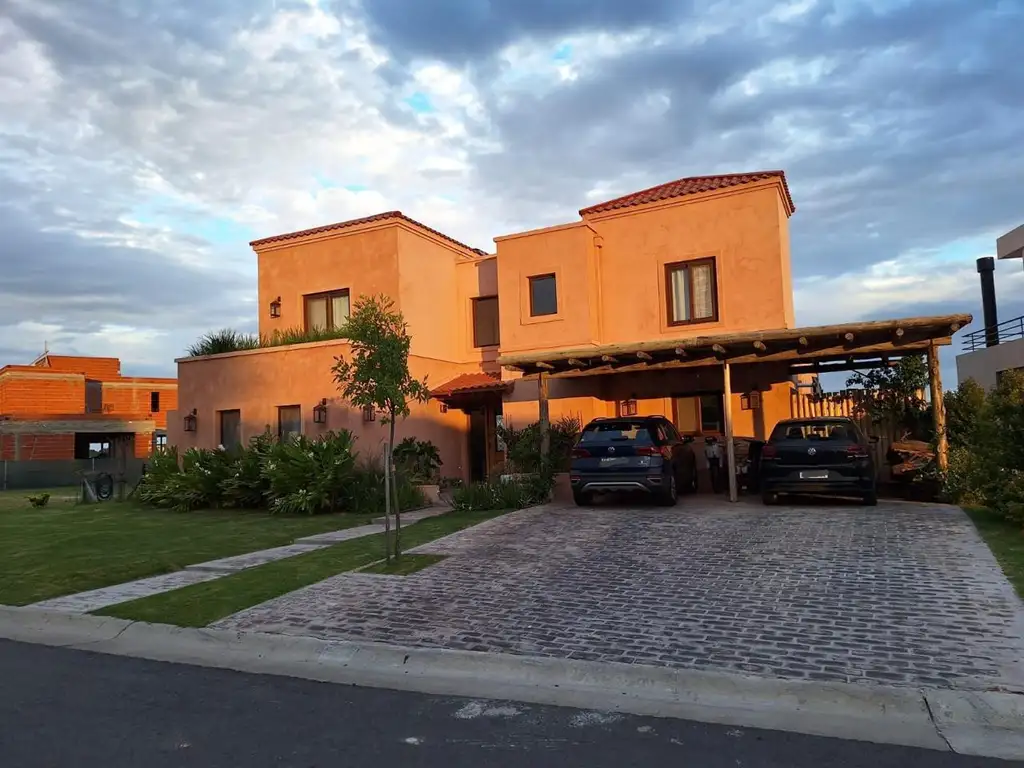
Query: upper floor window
{"x": 327, "y": 310}
{"x": 691, "y": 290}
{"x": 485, "y": 321}
{"x": 154, "y": 402}
{"x": 543, "y": 295}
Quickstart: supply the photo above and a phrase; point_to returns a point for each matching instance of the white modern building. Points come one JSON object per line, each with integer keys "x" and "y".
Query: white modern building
{"x": 998, "y": 346}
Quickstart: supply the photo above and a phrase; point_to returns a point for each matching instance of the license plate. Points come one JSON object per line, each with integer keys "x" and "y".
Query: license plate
{"x": 613, "y": 461}
{"x": 817, "y": 474}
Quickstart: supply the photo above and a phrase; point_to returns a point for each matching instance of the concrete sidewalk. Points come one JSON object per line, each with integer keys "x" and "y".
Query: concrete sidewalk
{"x": 95, "y": 599}
{"x": 971, "y": 723}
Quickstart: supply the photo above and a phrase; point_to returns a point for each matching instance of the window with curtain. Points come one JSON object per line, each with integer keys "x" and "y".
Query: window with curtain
{"x": 485, "y": 321}
{"x": 327, "y": 310}
{"x": 691, "y": 292}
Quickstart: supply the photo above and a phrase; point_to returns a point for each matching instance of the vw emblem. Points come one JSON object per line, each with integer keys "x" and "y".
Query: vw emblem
{"x": 811, "y": 451}
{"x": 611, "y": 449}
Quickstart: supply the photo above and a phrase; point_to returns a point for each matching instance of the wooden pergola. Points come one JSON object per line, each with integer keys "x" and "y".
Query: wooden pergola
{"x": 814, "y": 349}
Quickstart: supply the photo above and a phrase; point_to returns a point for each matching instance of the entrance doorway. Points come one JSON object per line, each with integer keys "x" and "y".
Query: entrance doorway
{"x": 478, "y": 444}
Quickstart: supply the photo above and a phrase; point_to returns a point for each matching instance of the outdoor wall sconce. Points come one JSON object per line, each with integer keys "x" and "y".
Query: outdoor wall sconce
{"x": 750, "y": 401}
{"x": 628, "y": 407}
{"x": 368, "y": 413}
{"x": 444, "y": 407}
{"x": 275, "y": 307}
{"x": 320, "y": 412}
{"x": 190, "y": 421}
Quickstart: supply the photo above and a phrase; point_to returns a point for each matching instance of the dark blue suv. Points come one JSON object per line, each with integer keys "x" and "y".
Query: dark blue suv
{"x": 645, "y": 454}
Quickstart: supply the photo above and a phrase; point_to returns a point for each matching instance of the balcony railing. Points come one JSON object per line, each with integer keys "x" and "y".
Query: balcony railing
{"x": 1008, "y": 330}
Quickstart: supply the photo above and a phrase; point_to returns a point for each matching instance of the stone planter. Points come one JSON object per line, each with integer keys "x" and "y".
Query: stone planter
{"x": 432, "y": 493}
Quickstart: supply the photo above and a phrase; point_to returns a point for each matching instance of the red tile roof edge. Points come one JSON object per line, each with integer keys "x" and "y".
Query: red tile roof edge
{"x": 468, "y": 382}
{"x": 364, "y": 220}
{"x": 665, "y": 191}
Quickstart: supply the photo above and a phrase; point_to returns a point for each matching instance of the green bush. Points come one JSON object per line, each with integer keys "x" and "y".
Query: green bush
{"x": 39, "y": 501}
{"x": 248, "y": 486}
{"x": 511, "y": 493}
{"x": 364, "y": 493}
{"x": 522, "y": 446}
{"x": 229, "y": 340}
{"x": 419, "y": 460}
{"x": 986, "y": 462}
{"x": 309, "y": 476}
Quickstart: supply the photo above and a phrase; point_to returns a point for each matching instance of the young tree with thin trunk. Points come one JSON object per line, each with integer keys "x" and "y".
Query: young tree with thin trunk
{"x": 376, "y": 375}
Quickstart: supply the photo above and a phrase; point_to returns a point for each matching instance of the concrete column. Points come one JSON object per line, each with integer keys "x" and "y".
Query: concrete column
{"x": 545, "y": 419}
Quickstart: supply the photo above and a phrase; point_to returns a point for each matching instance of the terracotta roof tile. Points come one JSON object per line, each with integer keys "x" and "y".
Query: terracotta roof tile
{"x": 364, "y": 220}
{"x": 689, "y": 186}
{"x": 469, "y": 382}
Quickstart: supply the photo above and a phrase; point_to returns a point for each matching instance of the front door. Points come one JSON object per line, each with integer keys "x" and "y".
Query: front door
{"x": 478, "y": 445}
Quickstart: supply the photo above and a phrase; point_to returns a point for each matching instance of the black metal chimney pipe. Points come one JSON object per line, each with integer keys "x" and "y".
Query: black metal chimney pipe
{"x": 987, "y": 268}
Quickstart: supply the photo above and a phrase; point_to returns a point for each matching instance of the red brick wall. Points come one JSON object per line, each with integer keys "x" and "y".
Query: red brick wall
{"x": 143, "y": 445}
{"x": 134, "y": 397}
{"x": 39, "y": 447}
{"x": 102, "y": 368}
{"x": 27, "y": 393}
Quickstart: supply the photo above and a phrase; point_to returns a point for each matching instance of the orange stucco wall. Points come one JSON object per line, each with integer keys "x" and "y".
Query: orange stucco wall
{"x": 610, "y": 275}
{"x": 257, "y": 382}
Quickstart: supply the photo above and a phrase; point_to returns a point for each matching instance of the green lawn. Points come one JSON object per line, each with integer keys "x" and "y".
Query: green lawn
{"x": 63, "y": 547}
{"x": 1006, "y": 540}
{"x": 202, "y": 604}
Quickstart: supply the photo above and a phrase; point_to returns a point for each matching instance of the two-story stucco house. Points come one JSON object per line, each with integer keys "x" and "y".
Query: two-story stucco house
{"x": 675, "y": 300}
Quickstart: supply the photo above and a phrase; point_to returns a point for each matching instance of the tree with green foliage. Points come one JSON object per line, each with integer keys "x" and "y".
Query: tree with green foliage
{"x": 376, "y": 375}
{"x": 964, "y": 406}
{"x": 894, "y": 394}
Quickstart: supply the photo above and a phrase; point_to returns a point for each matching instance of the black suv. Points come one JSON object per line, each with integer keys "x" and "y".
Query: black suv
{"x": 632, "y": 453}
{"x": 826, "y": 456}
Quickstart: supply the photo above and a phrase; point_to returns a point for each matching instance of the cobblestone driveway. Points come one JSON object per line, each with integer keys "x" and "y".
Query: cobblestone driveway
{"x": 899, "y": 594}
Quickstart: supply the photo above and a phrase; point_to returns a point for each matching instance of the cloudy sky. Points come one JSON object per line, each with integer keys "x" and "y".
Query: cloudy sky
{"x": 143, "y": 144}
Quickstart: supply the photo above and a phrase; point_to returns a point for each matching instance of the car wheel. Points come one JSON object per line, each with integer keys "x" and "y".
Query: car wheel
{"x": 871, "y": 499}
{"x": 670, "y": 495}
{"x": 769, "y": 498}
{"x": 582, "y": 499}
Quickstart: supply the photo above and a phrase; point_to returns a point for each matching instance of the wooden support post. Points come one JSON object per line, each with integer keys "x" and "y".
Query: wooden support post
{"x": 730, "y": 447}
{"x": 545, "y": 419}
{"x": 938, "y": 408}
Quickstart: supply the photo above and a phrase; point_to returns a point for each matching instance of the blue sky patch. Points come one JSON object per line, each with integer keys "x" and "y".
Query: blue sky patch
{"x": 420, "y": 103}
{"x": 563, "y": 53}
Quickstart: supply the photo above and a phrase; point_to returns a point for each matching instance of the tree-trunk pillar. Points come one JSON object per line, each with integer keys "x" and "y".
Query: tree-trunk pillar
{"x": 938, "y": 408}
{"x": 545, "y": 418}
{"x": 730, "y": 447}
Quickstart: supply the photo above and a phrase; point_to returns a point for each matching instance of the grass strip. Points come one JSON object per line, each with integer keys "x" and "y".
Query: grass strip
{"x": 64, "y": 547}
{"x": 1006, "y": 540}
{"x": 403, "y": 567}
{"x": 202, "y": 604}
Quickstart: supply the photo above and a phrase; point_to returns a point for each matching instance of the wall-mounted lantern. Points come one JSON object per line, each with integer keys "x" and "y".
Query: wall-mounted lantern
{"x": 275, "y": 307}
{"x": 320, "y": 412}
{"x": 750, "y": 401}
{"x": 628, "y": 407}
{"x": 190, "y": 421}
{"x": 369, "y": 413}
{"x": 444, "y": 407}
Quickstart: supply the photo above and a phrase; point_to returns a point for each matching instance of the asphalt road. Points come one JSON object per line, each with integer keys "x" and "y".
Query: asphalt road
{"x": 61, "y": 707}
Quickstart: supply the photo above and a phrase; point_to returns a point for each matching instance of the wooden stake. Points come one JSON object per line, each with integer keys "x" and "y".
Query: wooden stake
{"x": 938, "y": 408}
{"x": 545, "y": 419}
{"x": 730, "y": 447}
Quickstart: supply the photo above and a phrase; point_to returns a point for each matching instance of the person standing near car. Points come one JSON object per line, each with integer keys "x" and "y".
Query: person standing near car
{"x": 713, "y": 454}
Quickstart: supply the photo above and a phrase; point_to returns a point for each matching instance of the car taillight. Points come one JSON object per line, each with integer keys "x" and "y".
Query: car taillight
{"x": 769, "y": 452}
{"x": 857, "y": 452}
{"x": 580, "y": 453}
{"x": 654, "y": 450}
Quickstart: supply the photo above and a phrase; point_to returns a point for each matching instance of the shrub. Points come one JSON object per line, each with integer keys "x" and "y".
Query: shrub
{"x": 39, "y": 501}
{"x": 418, "y": 460}
{"x": 522, "y": 446}
{"x": 309, "y": 476}
{"x": 224, "y": 340}
{"x": 986, "y": 466}
{"x": 247, "y": 486}
{"x": 511, "y": 493}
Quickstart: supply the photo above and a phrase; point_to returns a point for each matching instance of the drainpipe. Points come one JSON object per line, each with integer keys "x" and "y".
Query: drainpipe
{"x": 986, "y": 269}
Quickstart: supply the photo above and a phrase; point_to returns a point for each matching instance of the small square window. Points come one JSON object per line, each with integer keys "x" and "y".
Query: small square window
{"x": 691, "y": 292}
{"x": 327, "y": 311}
{"x": 543, "y": 296}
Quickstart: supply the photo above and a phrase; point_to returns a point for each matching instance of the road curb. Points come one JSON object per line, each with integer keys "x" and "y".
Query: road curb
{"x": 981, "y": 724}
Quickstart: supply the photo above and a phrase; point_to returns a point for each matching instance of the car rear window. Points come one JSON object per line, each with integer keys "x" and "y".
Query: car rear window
{"x": 813, "y": 430}
{"x": 617, "y": 430}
